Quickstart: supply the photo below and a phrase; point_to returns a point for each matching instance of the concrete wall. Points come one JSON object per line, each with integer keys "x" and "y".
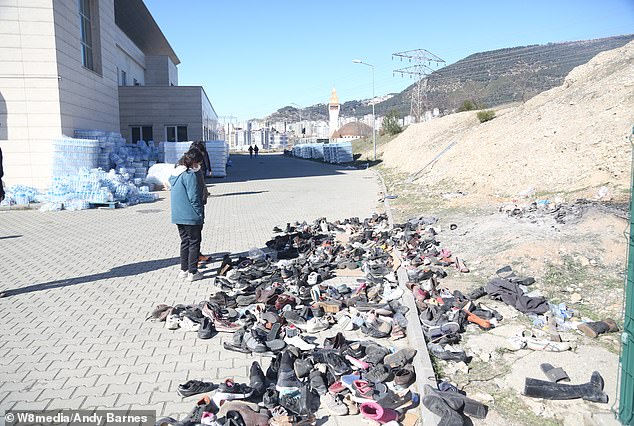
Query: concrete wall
{"x": 209, "y": 118}
{"x": 88, "y": 99}
{"x": 129, "y": 58}
{"x": 160, "y": 71}
{"x": 160, "y": 106}
{"x": 29, "y": 94}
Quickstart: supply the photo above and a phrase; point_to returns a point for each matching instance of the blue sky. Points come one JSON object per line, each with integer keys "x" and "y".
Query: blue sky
{"x": 253, "y": 57}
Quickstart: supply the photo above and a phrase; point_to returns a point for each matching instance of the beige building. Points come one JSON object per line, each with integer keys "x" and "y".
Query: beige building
{"x": 88, "y": 64}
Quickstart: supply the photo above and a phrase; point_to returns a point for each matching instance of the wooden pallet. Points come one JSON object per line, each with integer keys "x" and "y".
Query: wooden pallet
{"x": 108, "y": 205}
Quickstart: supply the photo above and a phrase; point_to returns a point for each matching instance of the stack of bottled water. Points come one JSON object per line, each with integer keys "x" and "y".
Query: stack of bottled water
{"x": 171, "y": 152}
{"x": 70, "y": 155}
{"x": 21, "y": 195}
{"x": 218, "y": 152}
{"x": 338, "y": 152}
{"x": 95, "y": 186}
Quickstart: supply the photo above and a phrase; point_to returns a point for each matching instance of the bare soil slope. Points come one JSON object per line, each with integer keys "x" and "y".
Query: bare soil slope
{"x": 570, "y": 139}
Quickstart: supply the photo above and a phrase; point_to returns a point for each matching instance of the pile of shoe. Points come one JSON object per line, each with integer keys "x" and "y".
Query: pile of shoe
{"x": 443, "y": 315}
{"x": 346, "y": 377}
{"x": 273, "y": 308}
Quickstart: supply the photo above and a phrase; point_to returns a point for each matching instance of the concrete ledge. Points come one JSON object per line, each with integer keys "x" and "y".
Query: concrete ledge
{"x": 425, "y": 374}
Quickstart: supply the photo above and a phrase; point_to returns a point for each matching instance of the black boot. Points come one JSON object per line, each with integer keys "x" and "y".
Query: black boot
{"x": 593, "y": 329}
{"x": 457, "y": 401}
{"x": 591, "y": 391}
{"x": 449, "y": 416}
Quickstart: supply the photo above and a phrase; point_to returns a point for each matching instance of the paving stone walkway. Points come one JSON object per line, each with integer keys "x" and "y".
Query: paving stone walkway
{"x": 80, "y": 284}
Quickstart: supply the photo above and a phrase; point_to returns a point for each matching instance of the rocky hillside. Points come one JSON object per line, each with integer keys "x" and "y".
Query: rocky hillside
{"x": 489, "y": 78}
{"x": 570, "y": 139}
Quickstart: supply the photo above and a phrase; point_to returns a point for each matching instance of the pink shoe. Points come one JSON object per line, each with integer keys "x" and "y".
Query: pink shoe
{"x": 358, "y": 363}
{"x": 373, "y": 411}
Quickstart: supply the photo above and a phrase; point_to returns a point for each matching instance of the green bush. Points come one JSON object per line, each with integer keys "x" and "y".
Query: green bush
{"x": 467, "y": 105}
{"x": 487, "y": 115}
{"x": 390, "y": 123}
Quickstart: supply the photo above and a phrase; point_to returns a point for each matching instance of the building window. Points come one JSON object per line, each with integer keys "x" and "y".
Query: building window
{"x": 138, "y": 133}
{"x": 124, "y": 78}
{"x": 176, "y": 133}
{"x": 85, "y": 24}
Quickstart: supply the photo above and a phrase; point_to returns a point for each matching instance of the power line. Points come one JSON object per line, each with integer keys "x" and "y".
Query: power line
{"x": 422, "y": 60}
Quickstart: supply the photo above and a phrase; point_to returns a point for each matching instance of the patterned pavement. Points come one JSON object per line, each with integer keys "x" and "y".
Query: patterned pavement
{"x": 80, "y": 284}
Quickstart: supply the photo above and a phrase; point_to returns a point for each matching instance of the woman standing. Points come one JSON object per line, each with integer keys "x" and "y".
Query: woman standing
{"x": 188, "y": 212}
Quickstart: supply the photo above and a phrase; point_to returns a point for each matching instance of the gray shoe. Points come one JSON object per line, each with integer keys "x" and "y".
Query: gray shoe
{"x": 194, "y": 277}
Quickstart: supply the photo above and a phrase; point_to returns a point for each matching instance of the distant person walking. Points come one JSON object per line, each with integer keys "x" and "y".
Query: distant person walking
{"x": 250, "y": 151}
{"x": 188, "y": 212}
{"x": 256, "y": 150}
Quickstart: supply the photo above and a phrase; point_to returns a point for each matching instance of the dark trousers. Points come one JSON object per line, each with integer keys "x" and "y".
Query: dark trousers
{"x": 190, "y": 246}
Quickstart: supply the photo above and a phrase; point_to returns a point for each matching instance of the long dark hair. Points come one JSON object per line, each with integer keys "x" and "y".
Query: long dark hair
{"x": 200, "y": 146}
{"x": 190, "y": 157}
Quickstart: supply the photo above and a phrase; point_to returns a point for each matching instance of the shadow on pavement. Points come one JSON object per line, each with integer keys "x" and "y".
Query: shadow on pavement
{"x": 10, "y": 237}
{"x": 123, "y": 271}
{"x": 276, "y": 166}
{"x": 229, "y": 194}
{"x": 116, "y": 272}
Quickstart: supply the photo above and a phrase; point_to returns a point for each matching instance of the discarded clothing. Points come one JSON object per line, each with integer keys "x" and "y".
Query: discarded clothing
{"x": 511, "y": 294}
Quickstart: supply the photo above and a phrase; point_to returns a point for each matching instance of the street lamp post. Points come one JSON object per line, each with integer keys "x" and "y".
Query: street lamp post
{"x": 358, "y": 61}
{"x": 299, "y": 110}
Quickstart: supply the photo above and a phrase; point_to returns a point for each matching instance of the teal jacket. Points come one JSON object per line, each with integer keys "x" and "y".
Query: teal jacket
{"x": 186, "y": 200}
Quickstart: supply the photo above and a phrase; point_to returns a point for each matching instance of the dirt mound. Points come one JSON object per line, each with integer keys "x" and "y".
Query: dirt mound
{"x": 572, "y": 138}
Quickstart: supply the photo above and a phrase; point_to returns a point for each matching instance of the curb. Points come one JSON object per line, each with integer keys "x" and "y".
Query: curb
{"x": 425, "y": 374}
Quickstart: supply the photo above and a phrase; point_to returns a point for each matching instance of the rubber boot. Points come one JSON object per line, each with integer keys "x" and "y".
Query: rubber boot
{"x": 591, "y": 391}
{"x": 593, "y": 329}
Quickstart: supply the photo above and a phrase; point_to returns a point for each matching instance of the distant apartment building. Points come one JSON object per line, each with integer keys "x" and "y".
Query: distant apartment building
{"x": 88, "y": 64}
{"x": 278, "y": 140}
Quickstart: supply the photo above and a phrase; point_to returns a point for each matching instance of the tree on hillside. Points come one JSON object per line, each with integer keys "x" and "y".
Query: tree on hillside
{"x": 391, "y": 124}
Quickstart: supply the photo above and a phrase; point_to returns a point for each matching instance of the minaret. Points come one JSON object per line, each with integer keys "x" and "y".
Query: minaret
{"x": 333, "y": 112}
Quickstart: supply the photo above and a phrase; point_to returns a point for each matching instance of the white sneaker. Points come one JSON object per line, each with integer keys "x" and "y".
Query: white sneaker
{"x": 194, "y": 277}
{"x": 299, "y": 343}
{"x": 345, "y": 323}
{"x": 172, "y": 321}
{"x": 315, "y": 325}
{"x": 188, "y": 325}
{"x": 182, "y": 275}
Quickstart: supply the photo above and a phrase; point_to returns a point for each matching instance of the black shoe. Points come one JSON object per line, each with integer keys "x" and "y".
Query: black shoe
{"x": 317, "y": 383}
{"x": 274, "y": 367}
{"x": 438, "y": 351}
{"x": 304, "y": 404}
{"x": 438, "y": 406}
{"x": 355, "y": 350}
{"x": 378, "y": 374}
{"x": 334, "y": 360}
{"x": 207, "y": 329}
{"x": 477, "y": 293}
{"x": 271, "y": 398}
{"x": 195, "y": 416}
{"x": 335, "y": 342}
{"x": 257, "y": 380}
{"x": 459, "y": 402}
{"x": 286, "y": 378}
{"x": 303, "y": 367}
{"x": 193, "y": 387}
{"x": 230, "y": 390}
